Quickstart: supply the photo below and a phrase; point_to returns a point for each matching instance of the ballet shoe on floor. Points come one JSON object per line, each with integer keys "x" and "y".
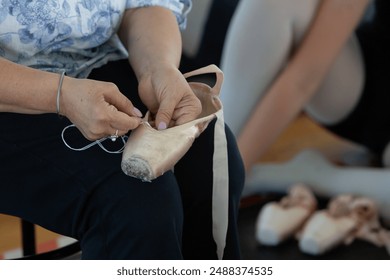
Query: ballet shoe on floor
{"x": 347, "y": 218}
{"x": 278, "y": 221}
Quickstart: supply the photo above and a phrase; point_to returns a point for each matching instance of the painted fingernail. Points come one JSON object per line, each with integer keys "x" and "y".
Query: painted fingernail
{"x": 137, "y": 112}
{"x": 162, "y": 125}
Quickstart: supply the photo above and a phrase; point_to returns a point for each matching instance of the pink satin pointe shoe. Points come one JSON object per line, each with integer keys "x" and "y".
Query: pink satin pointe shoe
{"x": 347, "y": 218}
{"x": 278, "y": 221}
{"x": 149, "y": 152}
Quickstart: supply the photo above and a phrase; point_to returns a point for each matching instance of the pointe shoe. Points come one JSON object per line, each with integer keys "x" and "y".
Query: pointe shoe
{"x": 346, "y": 219}
{"x": 327, "y": 229}
{"x": 278, "y": 221}
{"x": 149, "y": 152}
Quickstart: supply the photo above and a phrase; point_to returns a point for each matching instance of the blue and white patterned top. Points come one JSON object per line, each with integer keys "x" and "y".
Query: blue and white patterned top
{"x": 71, "y": 35}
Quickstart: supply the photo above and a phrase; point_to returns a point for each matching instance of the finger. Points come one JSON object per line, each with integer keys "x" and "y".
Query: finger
{"x": 123, "y": 104}
{"x": 164, "y": 113}
{"x": 124, "y": 122}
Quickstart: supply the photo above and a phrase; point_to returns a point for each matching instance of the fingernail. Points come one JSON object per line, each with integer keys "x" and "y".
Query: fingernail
{"x": 137, "y": 112}
{"x": 162, "y": 125}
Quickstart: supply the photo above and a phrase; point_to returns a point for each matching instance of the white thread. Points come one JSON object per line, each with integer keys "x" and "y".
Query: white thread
{"x": 97, "y": 142}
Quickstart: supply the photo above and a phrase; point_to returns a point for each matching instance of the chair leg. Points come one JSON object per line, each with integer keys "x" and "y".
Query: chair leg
{"x": 28, "y": 238}
{"x": 29, "y": 246}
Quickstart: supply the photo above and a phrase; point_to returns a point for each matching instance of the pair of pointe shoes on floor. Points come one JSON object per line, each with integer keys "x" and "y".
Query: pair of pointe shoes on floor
{"x": 346, "y": 218}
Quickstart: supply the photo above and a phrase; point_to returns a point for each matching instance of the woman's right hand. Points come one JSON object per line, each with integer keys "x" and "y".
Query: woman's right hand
{"x": 98, "y": 109}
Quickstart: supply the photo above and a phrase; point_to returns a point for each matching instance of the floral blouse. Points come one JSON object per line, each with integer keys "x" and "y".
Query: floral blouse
{"x": 71, "y": 35}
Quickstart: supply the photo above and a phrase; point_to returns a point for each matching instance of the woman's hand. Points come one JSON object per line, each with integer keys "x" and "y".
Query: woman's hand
{"x": 153, "y": 40}
{"x": 98, "y": 109}
{"x": 166, "y": 93}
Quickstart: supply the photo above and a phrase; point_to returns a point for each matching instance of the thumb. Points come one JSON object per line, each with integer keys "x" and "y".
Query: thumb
{"x": 164, "y": 113}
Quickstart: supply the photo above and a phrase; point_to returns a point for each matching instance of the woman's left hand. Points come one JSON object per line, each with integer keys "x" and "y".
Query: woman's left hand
{"x": 166, "y": 93}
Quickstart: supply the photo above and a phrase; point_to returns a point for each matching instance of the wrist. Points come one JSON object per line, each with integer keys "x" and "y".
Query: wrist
{"x": 154, "y": 67}
{"x": 63, "y": 92}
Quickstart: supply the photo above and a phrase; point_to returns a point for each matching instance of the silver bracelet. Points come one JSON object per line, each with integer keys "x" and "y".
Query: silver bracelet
{"x": 62, "y": 75}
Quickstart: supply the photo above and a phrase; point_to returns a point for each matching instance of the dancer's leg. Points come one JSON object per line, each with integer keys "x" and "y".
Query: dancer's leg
{"x": 261, "y": 37}
{"x": 324, "y": 178}
{"x": 257, "y": 45}
{"x": 341, "y": 89}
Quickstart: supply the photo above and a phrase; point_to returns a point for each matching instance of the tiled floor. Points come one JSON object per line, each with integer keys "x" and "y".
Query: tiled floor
{"x": 301, "y": 134}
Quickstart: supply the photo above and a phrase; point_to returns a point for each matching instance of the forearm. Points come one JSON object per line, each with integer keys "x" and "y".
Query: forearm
{"x": 26, "y": 90}
{"x": 152, "y": 38}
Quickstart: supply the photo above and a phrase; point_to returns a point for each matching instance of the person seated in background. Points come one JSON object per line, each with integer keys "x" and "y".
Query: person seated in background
{"x": 85, "y": 195}
{"x": 326, "y": 58}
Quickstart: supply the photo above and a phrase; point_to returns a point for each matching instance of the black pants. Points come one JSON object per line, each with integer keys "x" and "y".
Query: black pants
{"x": 86, "y": 196}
